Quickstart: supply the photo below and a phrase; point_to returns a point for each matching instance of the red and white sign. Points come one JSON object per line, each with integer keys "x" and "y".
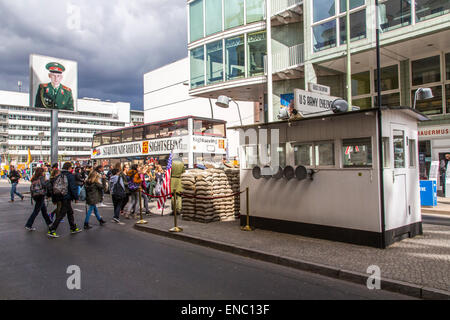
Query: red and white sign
{"x": 435, "y": 131}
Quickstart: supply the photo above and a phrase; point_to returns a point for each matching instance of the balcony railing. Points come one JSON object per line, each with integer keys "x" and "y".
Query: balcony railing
{"x": 287, "y": 58}
{"x": 282, "y": 5}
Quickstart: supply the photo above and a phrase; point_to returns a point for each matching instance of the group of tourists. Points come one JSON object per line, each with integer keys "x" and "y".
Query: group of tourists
{"x": 124, "y": 183}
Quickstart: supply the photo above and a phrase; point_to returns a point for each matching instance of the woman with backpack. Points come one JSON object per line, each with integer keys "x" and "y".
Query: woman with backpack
{"x": 134, "y": 184}
{"x": 118, "y": 194}
{"x": 38, "y": 191}
{"x": 94, "y": 192}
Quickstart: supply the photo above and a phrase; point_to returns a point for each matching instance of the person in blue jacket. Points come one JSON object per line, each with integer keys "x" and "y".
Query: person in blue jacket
{"x": 65, "y": 187}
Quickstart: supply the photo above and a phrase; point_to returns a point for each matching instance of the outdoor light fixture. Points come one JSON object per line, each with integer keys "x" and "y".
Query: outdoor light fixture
{"x": 422, "y": 94}
{"x": 224, "y": 102}
{"x": 339, "y": 105}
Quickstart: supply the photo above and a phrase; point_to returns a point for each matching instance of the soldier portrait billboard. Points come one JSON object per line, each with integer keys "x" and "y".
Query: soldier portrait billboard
{"x": 53, "y": 83}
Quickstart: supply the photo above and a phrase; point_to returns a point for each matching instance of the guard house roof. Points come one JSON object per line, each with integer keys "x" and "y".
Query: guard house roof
{"x": 407, "y": 110}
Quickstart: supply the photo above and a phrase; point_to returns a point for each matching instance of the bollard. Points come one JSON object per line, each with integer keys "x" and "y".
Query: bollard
{"x": 247, "y": 227}
{"x": 141, "y": 221}
{"x": 175, "y": 228}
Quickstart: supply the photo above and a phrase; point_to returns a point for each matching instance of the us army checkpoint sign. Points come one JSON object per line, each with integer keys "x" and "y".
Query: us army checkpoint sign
{"x": 311, "y": 104}
{"x": 53, "y": 83}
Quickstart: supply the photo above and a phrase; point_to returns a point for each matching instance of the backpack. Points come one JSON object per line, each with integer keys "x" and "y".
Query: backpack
{"x": 117, "y": 189}
{"x": 37, "y": 189}
{"x": 82, "y": 195}
{"x": 132, "y": 186}
{"x": 61, "y": 185}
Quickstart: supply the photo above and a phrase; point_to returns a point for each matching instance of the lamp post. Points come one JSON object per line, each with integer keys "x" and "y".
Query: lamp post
{"x": 41, "y": 136}
{"x": 422, "y": 94}
{"x": 224, "y": 102}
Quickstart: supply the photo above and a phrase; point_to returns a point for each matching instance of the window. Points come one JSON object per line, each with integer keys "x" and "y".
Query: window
{"x": 213, "y": 16}
{"x": 361, "y": 83}
{"x": 234, "y": 13}
{"x": 447, "y": 94}
{"x": 138, "y": 134}
{"x": 363, "y": 103}
{"x": 412, "y": 152}
{"x": 353, "y": 4}
{"x": 204, "y": 127}
{"x": 255, "y": 10}
{"x": 127, "y": 135}
{"x": 386, "y": 153}
{"x": 303, "y": 155}
{"x": 197, "y": 71}
{"x": 389, "y": 78}
{"x": 96, "y": 142}
{"x": 324, "y": 153}
{"x": 106, "y": 138}
{"x": 256, "y": 52}
{"x": 151, "y": 131}
{"x": 196, "y": 20}
{"x": 394, "y": 14}
{"x": 323, "y": 9}
{"x": 235, "y": 58}
{"x": 324, "y": 35}
{"x": 357, "y": 152}
{"x": 428, "y": 9}
{"x": 429, "y": 106}
{"x": 447, "y": 66}
{"x": 214, "y": 62}
{"x": 426, "y": 70}
{"x": 250, "y": 156}
{"x": 399, "y": 148}
{"x": 388, "y": 100}
{"x": 116, "y": 137}
{"x": 357, "y": 26}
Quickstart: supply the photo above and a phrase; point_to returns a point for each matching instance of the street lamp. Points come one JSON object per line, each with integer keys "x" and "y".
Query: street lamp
{"x": 224, "y": 102}
{"x": 422, "y": 94}
{"x": 41, "y": 136}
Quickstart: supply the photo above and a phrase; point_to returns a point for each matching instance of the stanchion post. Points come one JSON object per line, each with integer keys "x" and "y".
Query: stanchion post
{"x": 175, "y": 228}
{"x": 141, "y": 221}
{"x": 247, "y": 227}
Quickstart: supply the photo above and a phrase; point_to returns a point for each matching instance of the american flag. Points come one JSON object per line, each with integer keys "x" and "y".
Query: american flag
{"x": 165, "y": 190}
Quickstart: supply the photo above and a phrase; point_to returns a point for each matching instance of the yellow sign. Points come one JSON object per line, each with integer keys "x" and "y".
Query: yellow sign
{"x": 145, "y": 147}
{"x": 221, "y": 144}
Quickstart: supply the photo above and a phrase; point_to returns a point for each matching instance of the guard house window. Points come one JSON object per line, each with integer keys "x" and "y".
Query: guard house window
{"x": 250, "y": 156}
{"x": 197, "y": 57}
{"x": 127, "y": 135}
{"x": 214, "y": 62}
{"x": 234, "y": 13}
{"x": 394, "y": 14}
{"x": 271, "y": 158}
{"x": 235, "y": 58}
{"x": 324, "y": 154}
{"x": 357, "y": 152}
{"x": 256, "y": 52}
{"x": 412, "y": 152}
{"x": 116, "y": 137}
{"x": 386, "y": 153}
{"x": 213, "y": 16}
{"x": 303, "y": 155}
{"x": 399, "y": 148}
{"x": 196, "y": 20}
{"x": 428, "y": 9}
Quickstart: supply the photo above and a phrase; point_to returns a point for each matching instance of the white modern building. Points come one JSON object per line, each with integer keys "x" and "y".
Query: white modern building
{"x": 23, "y": 127}
{"x": 166, "y": 96}
{"x": 136, "y": 117}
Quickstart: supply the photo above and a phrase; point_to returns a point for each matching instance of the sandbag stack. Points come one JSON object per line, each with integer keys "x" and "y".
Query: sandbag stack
{"x": 210, "y": 183}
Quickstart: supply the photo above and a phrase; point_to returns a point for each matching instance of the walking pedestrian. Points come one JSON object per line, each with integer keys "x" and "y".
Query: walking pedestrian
{"x": 118, "y": 192}
{"x": 144, "y": 186}
{"x": 38, "y": 191}
{"x": 102, "y": 175}
{"x": 14, "y": 177}
{"x": 56, "y": 199}
{"x": 134, "y": 183}
{"x": 64, "y": 185}
{"x": 159, "y": 178}
{"x": 123, "y": 174}
{"x": 93, "y": 197}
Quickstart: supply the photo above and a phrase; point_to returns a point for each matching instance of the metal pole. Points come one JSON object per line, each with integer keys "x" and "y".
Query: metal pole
{"x": 349, "y": 61}
{"x": 380, "y": 134}
{"x": 175, "y": 228}
{"x": 54, "y": 137}
{"x": 239, "y": 111}
{"x": 210, "y": 104}
{"x": 247, "y": 226}
{"x": 269, "y": 61}
{"x": 141, "y": 221}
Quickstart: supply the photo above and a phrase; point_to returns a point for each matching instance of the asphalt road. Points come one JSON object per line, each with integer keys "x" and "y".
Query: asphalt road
{"x": 436, "y": 219}
{"x": 119, "y": 262}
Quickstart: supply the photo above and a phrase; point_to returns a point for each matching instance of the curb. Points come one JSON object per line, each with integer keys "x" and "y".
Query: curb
{"x": 397, "y": 286}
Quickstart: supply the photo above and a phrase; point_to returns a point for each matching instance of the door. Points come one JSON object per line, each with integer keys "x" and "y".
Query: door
{"x": 399, "y": 173}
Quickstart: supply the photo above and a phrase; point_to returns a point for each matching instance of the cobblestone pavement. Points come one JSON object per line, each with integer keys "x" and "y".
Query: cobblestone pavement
{"x": 423, "y": 260}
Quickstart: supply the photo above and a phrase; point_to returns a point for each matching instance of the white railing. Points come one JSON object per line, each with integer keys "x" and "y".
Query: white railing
{"x": 288, "y": 57}
{"x": 281, "y": 5}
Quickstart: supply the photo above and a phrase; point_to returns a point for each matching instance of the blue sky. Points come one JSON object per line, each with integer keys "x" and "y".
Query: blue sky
{"x": 114, "y": 42}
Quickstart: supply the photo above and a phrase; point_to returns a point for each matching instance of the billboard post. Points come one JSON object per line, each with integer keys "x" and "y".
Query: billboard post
{"x": 54, "y": 137}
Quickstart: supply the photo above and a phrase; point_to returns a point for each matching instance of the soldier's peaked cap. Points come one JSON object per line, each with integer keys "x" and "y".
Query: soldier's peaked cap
{"x": 55, "y": 67}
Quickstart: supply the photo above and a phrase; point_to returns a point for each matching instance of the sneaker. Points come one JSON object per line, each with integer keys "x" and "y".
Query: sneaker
{"x": 11, "y": 201}
{"x": 76, "y": 230}
{"x": 30, "y": 228}
{"x": 52, "y": 234}
{"x": 102, "y": 204}
{"x": 115, "y": 220}
{"x": 86, "y": 226}
{"x": 102, "y": 222}
{"x": 22, "y": 198}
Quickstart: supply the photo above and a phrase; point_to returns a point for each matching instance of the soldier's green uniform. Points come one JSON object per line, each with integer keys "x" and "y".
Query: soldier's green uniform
{"x": 54, "y": 98}
{"x": 175, "y": 182}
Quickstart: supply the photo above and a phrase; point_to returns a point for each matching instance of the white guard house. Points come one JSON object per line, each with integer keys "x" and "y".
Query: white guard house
{"x": 328, "y": 179}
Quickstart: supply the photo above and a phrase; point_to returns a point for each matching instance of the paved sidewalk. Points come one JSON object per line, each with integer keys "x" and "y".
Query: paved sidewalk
{"x": 443, "y": 207}
{"x": 419, "y": 267}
